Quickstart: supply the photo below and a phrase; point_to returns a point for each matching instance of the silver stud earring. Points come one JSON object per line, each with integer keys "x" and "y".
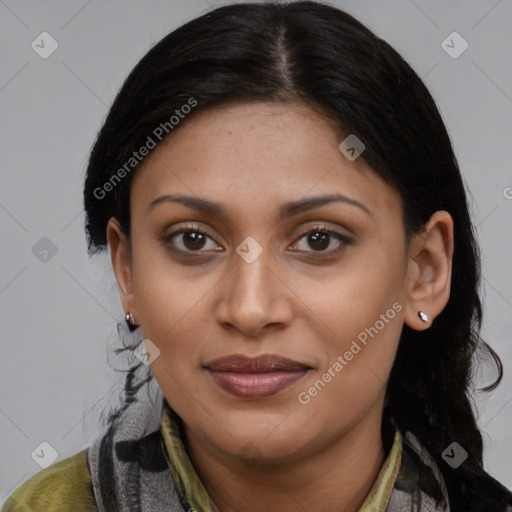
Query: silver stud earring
{"x": 424, "y": 317}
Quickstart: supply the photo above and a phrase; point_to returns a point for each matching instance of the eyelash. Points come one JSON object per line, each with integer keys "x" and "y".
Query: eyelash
{"x": 316, "y": 229}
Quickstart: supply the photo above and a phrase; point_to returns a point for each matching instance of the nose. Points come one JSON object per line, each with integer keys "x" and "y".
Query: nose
{"x": 254, "y": 297}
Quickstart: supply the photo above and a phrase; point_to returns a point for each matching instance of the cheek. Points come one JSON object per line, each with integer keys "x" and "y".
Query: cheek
{"x": 171, "y": 320}
{"x": 169, "y": 308}
{"x": 362, "y": 313}
{"x": 367, "y": 289}
{"x": 356, "y": 371}
{"x": 165, "y": 295}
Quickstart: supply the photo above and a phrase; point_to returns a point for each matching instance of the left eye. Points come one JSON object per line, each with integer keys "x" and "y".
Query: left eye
{"x": 320, "y": 239}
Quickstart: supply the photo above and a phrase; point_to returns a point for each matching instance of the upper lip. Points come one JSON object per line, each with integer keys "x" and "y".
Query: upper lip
{"x": 261, "y": 364}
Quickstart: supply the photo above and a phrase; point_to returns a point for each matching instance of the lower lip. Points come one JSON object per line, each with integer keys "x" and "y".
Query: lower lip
{"x": 256, "y": 385}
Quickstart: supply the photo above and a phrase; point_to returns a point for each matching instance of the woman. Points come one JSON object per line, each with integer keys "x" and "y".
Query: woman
{"x": 289, "y": 231}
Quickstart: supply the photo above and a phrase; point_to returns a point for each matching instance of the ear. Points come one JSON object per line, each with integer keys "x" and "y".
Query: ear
{"x": 121, "y": 263}
{"x": 429, "y": 270}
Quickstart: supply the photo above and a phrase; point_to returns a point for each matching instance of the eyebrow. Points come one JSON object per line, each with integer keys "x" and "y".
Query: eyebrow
{"x": 286, "y": 210}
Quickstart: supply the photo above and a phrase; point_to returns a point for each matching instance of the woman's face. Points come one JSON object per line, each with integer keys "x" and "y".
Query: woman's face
{"x": 263, "y": 281}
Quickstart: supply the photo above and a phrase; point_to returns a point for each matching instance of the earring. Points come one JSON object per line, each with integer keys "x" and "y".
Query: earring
{"x": 424, "y": 316}
{"x": 130, "y": 321}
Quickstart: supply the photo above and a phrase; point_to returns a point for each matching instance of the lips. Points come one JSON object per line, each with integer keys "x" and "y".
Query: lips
{"x": 261, "y": 364}
{"x": 258, "y": 377}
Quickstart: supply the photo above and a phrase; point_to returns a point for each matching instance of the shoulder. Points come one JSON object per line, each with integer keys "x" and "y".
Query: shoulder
{"x": 63, "y": 486}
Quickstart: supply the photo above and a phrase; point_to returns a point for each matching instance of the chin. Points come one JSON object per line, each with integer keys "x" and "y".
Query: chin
{"x": 266, "y": 442}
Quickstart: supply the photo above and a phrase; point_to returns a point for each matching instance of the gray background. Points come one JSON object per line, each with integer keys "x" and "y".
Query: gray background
{"x": 58, "y": 317}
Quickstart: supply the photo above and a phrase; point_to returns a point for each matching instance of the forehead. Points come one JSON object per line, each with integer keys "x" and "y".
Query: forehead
{"x": 258, "y": 154}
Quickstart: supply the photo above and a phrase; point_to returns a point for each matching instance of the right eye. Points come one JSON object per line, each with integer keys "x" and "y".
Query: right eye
{"x": 189, "y": 239}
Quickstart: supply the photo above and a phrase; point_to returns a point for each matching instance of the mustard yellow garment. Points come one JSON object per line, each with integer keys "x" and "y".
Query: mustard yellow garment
{"x": 65, "y": 486}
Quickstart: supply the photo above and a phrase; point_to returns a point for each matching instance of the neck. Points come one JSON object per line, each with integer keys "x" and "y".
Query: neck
{"x": 337, "y": 477}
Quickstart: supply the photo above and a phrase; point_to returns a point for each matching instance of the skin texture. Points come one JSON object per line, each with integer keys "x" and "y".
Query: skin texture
{"x": 299, "y": 298}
